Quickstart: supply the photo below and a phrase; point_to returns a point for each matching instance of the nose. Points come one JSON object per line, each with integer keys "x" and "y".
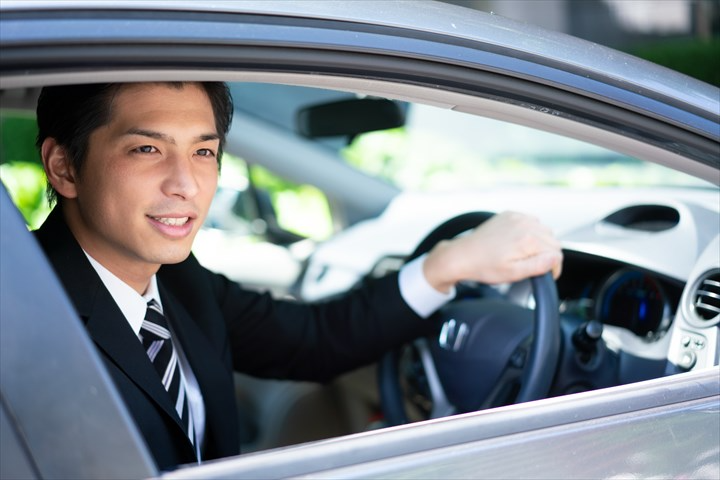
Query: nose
{"x": 181, "y": 178}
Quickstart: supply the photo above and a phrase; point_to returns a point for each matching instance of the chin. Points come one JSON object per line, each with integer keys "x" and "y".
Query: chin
{"x": 171, "y": 256}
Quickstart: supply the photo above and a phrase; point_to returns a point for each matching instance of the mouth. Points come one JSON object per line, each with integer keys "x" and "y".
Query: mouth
{"x": 173, "y": 227}
{"x": 172, "y": 221}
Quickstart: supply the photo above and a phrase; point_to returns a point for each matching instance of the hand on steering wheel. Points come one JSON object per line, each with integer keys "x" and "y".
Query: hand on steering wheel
{"x": 481, "y": 343}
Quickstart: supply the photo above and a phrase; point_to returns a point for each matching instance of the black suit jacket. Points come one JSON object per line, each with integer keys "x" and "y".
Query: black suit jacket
{"x": 222, "y": 328}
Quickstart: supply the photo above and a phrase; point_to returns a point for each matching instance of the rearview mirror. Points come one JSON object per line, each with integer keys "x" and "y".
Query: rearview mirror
{"x": 349, "y": 118}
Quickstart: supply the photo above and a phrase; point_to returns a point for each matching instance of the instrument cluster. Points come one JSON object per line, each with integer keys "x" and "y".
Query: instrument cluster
{"x": 615, "y": 294}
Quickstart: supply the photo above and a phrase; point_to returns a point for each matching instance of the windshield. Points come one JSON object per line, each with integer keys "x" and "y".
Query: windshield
{"x": 440, "y": 149}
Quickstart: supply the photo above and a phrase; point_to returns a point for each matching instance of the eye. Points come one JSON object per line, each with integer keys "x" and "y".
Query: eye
{"x": 205, "y": 152}
{"x": 145, "y": 149}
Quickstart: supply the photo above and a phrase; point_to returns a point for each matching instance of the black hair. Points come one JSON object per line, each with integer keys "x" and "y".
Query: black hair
{"x": 70, "y": 113}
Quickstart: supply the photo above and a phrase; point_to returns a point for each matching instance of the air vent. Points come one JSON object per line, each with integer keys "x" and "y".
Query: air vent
{"x": 705, "y": 307}
{"x": 646, "y": 218}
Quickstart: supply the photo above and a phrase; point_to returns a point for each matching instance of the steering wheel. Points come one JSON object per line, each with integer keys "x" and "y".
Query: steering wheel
{"x": 488, "y": 351}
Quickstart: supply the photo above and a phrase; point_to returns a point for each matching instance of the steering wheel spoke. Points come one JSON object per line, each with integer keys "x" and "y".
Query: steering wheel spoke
{"x": 441, "y": 406}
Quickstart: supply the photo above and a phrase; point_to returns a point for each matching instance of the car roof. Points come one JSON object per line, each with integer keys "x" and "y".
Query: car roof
{"x": 554, "y": 48}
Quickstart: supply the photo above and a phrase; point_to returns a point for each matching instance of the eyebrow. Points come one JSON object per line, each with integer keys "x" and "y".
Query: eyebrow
{"x": 167, "y": 138}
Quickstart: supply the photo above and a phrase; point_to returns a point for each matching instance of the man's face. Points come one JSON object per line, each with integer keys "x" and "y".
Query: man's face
{"x": 148, "y": 179}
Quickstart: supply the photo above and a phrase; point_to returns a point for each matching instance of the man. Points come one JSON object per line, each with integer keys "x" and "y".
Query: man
{"x": 134, "y": 168}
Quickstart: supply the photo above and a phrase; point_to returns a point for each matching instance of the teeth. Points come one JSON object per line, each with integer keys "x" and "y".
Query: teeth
{"x": 174, "y": 222}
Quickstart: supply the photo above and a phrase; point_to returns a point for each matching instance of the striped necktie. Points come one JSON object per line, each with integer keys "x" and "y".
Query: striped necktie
{"x": 156, "y": 340}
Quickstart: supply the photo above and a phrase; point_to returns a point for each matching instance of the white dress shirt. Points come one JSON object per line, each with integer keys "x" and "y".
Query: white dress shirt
{"x": 417, "y": 292}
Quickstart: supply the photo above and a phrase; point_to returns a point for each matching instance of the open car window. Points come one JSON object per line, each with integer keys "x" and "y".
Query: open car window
{"x": 436, "y": 164}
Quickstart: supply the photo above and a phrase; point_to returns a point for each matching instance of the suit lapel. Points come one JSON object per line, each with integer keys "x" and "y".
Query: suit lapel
{"x": 103, "y": 319}
{"x": 112, "y": 334}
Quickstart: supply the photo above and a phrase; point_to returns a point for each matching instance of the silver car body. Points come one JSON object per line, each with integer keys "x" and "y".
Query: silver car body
{"x": 60, "y": 416}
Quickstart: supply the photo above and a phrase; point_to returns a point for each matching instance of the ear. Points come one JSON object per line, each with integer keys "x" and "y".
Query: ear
{"x": 58, "y": 168}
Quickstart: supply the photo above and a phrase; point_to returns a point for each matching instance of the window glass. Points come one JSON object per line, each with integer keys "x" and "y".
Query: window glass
{"x": 20, "y": 168}
{"x": 440, "y": 149}
{"x": 299, "y": 208}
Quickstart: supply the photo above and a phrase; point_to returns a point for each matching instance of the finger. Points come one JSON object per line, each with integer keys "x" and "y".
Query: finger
{"x": 549, "y": 261}
{"x": 557, "y": 267}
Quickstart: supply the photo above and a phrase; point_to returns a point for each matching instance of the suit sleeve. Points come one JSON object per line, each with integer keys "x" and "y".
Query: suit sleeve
{"x": 314, "y": 342}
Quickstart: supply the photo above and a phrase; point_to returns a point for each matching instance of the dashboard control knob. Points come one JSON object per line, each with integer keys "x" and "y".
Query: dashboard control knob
{"x": 587, "y": 335}
{"x": 688, "y": 359}
{"x": 585, "y": 339}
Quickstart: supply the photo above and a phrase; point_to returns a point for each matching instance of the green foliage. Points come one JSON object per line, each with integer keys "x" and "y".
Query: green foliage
{"x": 20, "y": 167}
{"x": 264, "y": 178}
{"x": 696, "y": 58}
{"x": 416, "y": 160}
{"x": 25, "y": 183}
{"x": 301, "y": 209}
{"x": 18, "y": 132}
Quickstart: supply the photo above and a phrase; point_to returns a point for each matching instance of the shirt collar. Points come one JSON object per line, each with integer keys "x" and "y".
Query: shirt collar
{"x": 132, "y": 305}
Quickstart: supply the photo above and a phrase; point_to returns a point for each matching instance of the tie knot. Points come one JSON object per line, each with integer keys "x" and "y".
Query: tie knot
{"x": 155, "y": 326}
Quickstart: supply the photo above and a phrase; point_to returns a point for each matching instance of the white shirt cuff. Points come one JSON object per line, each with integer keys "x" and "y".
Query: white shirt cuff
{"x": 417, "y": 292}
